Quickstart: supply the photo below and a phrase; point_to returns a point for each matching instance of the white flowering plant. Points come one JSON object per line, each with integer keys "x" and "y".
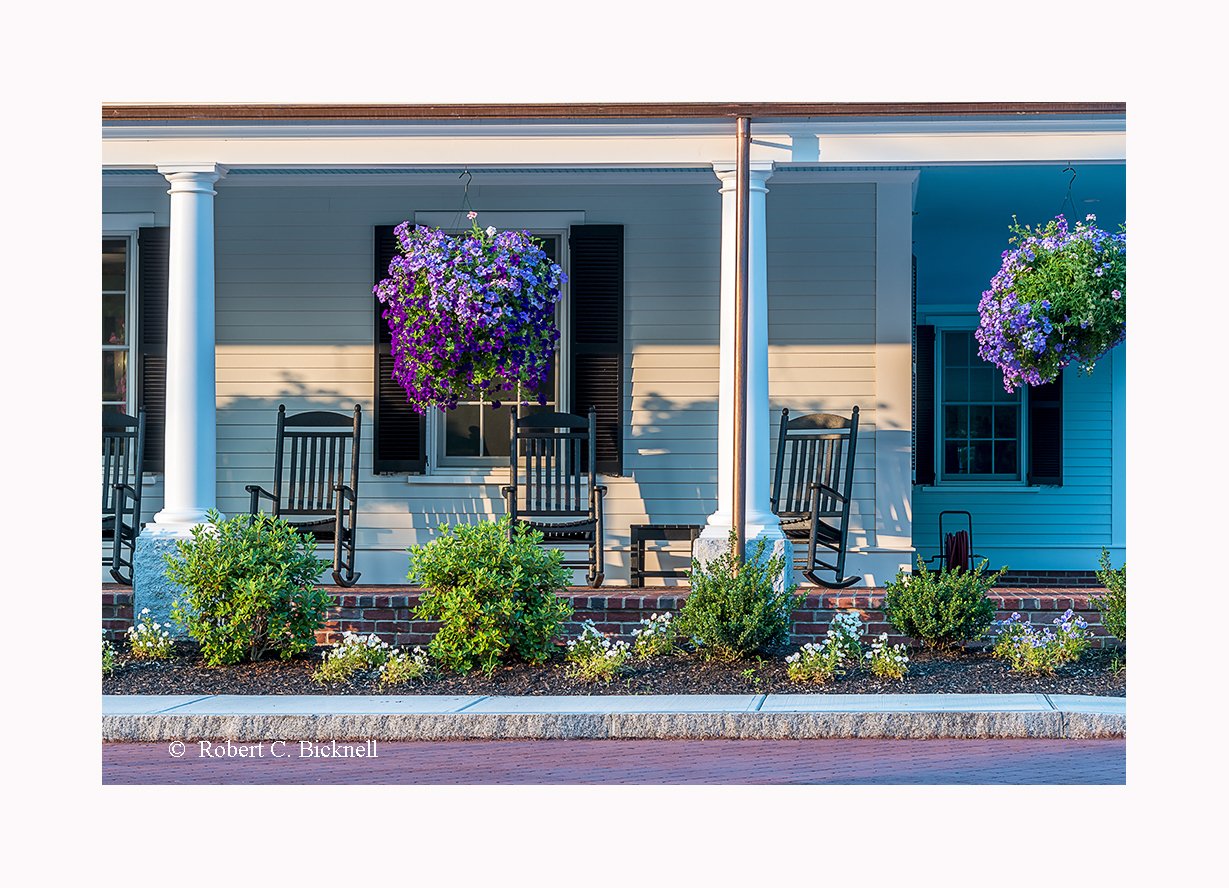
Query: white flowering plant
{"x": 404, "y": 666}
{"x": 656, "y": 636}
{"x": 352, "y": 655}
{"x": 108, "y": 654}
{"x": 149, "y": 640}
{"x": 887, "y": 661}
{"x": 1036, "y": 651}
{"x": 816, "y": 663}
{"x": 594, "y": 657}
{"x": 846, "y": 631}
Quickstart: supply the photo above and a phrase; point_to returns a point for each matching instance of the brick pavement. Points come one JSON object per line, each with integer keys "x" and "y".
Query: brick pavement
{"x": 644, "y": 762}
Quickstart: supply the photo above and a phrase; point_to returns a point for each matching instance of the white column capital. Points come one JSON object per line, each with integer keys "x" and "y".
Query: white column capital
{"x": 192, "y": 177}
{"x": 760, "y": 172}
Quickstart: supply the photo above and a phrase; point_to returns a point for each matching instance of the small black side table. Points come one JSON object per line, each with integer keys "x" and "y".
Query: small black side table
{"x": 668, "y": 532}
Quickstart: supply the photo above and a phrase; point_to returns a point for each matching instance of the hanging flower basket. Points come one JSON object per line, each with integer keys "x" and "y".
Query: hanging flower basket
{"x": 1060, "y": 298}
{"x": 471, "y": 316}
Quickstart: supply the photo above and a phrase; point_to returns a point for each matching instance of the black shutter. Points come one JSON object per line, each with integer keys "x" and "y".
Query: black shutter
{"x": 1045, "y": 433}
{"x": 596, "y": 283}
{"x": 398, "y": 443}
{"x": 924, "y": 405}
{"x": 153, "y": 288}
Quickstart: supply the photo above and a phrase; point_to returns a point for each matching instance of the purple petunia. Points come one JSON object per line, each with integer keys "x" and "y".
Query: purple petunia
{"x": 469, "y": 315}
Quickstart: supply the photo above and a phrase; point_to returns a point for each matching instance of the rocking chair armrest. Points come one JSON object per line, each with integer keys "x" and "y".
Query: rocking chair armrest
{"x": 127, "y": 491}
{"x": 257, "y": 492}
{"x": 599, "y": 493}
{"x": 345, "y": 491}
{"x": 824, "y": 488}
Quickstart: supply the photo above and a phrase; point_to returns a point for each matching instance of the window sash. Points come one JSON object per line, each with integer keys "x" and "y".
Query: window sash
{"x": 128, "y": 346}
{"x": 948, "y": 366}
{"x": 437, "y": 427}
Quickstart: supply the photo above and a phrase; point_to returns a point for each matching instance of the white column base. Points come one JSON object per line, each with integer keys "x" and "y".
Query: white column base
{"x": 151, "y": 588}
{"x": 714, "y": 541}
{"x": 177, "y": 520}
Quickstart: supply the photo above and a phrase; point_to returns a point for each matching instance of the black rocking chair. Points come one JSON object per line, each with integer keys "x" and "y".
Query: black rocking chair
{"x": 812, "y": 486}
{"x": 554, "y": 479}
{"x": 123, "y": 447}
{"x": 315, "y": 481}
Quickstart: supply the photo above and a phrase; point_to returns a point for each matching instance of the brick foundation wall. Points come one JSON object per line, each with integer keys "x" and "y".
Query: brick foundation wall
{"x": 388, "y": 611}
{"x": 116, "y": 610}
{"x": 1042, "y": 579}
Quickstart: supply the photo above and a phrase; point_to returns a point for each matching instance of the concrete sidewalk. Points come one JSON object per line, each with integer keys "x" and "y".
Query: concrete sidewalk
{"x": 725, "y": 716}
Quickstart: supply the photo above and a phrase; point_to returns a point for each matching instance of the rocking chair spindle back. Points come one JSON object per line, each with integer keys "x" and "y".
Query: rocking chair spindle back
{"x": 813, "y": 485}
{"x": 554, "y": 476}
{"x": 315, "y": 480}
{"x": 123, "y": 448}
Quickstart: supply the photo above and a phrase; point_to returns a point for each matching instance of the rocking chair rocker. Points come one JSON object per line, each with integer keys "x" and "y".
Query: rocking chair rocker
{"x": 554, "y": 485}
{"x": 123, "y": 448}
{"x": 310, "y": 485}
{"x": 812, "y": 486}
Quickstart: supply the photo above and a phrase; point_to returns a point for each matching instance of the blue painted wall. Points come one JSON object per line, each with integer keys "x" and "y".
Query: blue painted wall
{"x": 960, "y": 231}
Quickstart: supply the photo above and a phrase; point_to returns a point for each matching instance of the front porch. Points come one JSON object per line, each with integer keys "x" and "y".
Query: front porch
{"x": 274, "y": 247}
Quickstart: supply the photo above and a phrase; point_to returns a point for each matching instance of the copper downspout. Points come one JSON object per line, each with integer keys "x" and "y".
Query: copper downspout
{"x": 742, "y": 209}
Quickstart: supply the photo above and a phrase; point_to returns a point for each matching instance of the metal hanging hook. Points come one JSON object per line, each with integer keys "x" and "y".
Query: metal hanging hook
{"x": 1069, "y": 199}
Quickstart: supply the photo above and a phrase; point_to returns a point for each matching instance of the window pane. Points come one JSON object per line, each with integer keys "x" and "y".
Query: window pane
{"x": 496, "y": 430}
{"x": 114, "y": 254}
{"x": 1006, "y": 421}
{"x": 115, "y": 376}
{"x": 955, "y": 422}
{"x": 980, "y": 458}
{"x": 956, "y": 348}
{"x": 956, "y": 384}
{"x": 1005, "y": 458}
{"x": 979, "y": 422}
{"x": 462, "y": 436}
{"x": 114, "y": 330}
{"x": 952, "y": 453}
{"x": 981, "y": 384}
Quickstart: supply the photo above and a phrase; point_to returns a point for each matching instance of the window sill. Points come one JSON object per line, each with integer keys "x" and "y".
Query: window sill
{"x": 492, "y": 478}
{"x": 980, "y": 488}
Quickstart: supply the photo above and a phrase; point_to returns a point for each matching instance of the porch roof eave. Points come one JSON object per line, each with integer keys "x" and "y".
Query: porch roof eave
{"x": 730, "y": 111}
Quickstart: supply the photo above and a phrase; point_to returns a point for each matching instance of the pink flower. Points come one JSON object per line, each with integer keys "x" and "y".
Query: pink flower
{"x": 471, "y": 215}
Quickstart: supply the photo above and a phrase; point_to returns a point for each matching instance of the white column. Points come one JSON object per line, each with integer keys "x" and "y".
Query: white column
{"x": 760, "y": 520}
{"x": 190, "y": 482}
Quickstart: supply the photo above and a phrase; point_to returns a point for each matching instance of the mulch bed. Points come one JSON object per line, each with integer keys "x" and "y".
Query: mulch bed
{"x": 971, "y": 672}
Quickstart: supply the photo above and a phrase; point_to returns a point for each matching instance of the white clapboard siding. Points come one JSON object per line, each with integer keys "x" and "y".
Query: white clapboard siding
{"x": 294, "y": 326}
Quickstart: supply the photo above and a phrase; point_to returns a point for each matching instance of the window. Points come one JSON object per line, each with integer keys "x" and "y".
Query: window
{"x": 117, "y": 314}
{"x": 980, "y": 425}
{"x": 477, "y": 433}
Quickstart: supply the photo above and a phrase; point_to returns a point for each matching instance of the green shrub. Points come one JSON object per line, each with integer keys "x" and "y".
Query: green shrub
{"x": 942, "y": 609}
{"x": 494, "y": 596}
{"x": 1113, "y": 604}
{"x": 248, "y": 588}
{"x": 733, "y": 610}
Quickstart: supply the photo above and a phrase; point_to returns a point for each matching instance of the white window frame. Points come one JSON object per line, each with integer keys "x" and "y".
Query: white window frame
{"x": 539, "y": 224}
{"x": 133, "y": 320}
{"x": 964, "y": 322}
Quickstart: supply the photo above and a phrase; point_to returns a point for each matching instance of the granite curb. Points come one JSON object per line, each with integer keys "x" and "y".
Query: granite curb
{"x": 742, "y": 717}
